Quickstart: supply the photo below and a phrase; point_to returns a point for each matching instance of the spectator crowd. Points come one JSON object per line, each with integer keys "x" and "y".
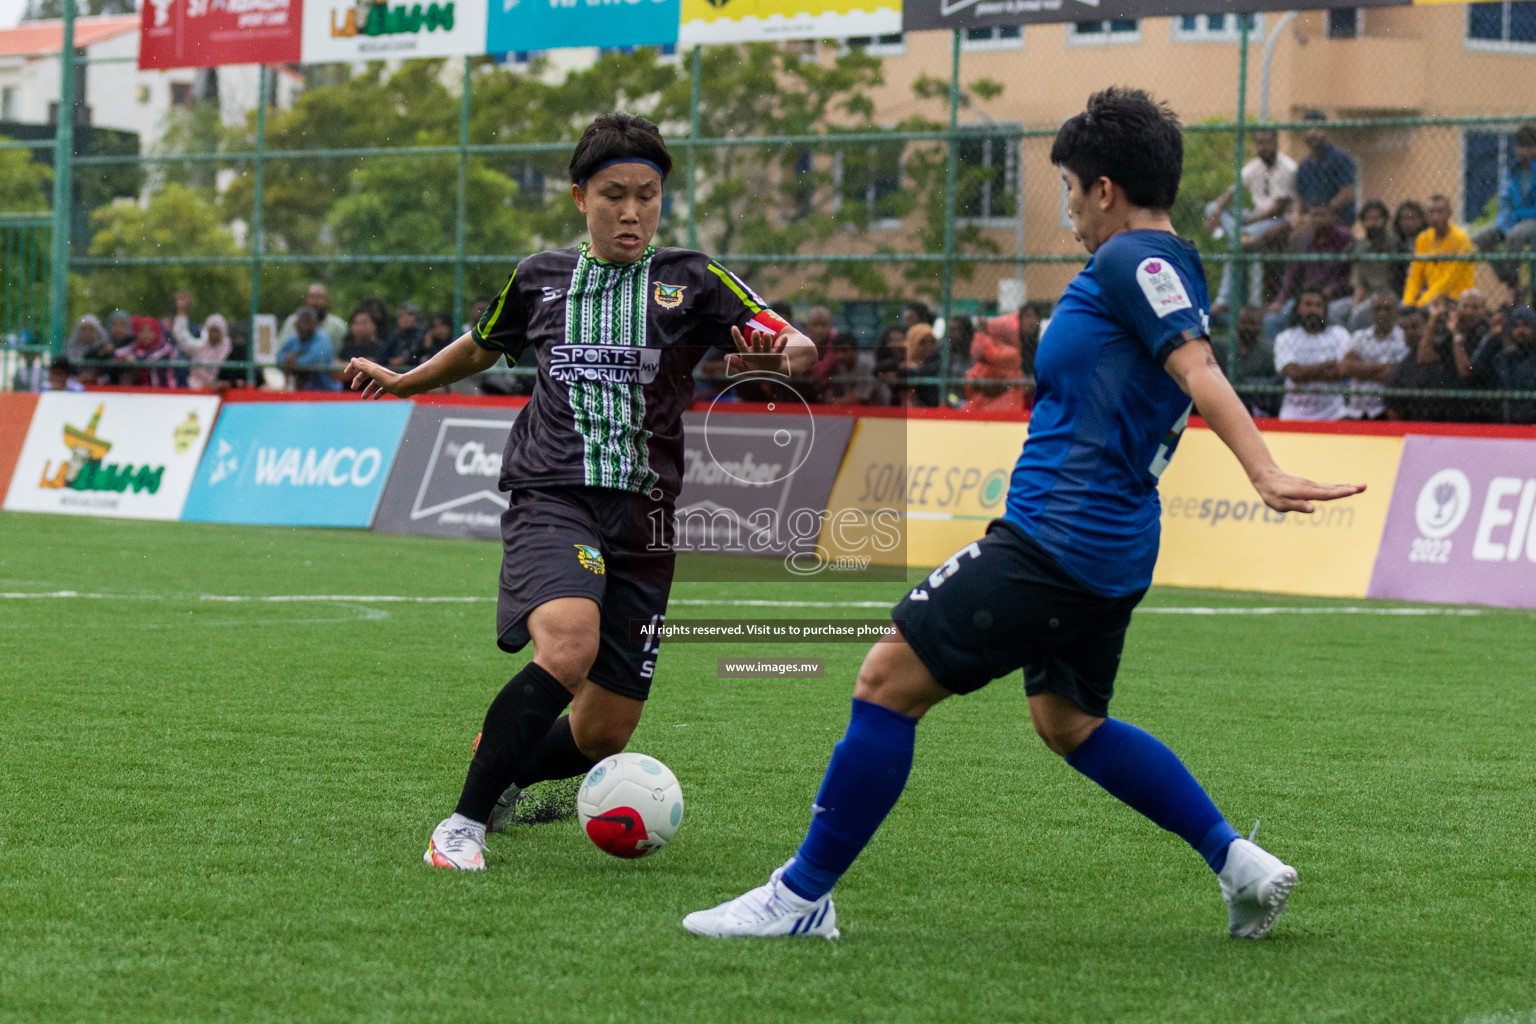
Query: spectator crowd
{"x": 1358, "y": 312}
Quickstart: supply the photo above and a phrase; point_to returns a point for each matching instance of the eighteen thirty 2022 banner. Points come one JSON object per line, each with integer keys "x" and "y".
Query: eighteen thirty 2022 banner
{"x": 207, "y": 33}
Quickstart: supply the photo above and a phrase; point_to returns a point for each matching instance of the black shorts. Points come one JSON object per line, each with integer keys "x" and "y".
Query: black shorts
{"x": 1001, "y": 604}
{"x": 596, "y": 543}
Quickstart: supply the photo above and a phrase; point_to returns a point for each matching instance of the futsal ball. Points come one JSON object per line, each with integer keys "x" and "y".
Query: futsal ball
{"x": 630, "y": 805}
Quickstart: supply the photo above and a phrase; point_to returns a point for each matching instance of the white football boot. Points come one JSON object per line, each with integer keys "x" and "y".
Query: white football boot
{"x": 769, "y": 910}
{"x": 459, "y": 845}
{"x": 1255, "y": 883}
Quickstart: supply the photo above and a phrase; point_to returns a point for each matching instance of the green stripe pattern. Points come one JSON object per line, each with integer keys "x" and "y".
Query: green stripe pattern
{"x": 606, "y": 306}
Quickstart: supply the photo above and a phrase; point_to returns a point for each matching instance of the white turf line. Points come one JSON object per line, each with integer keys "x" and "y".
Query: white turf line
{"x": 697, "y": 602}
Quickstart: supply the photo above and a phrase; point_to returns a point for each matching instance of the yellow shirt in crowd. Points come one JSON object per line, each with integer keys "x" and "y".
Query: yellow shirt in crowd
{"x": 1447, "y": 277}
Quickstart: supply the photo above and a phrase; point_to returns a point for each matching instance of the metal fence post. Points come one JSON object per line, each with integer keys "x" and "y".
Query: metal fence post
{"x": 696, "y": 75}
{"x": 951, "y": 179}
{"x": 461, "y": 214}
{"x": 1238, "y": 265}
{"x": 63, "y": 185}
{"x": 258, "y": 243}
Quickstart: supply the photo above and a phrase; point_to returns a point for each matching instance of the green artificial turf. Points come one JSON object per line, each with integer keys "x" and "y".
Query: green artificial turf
{"x": 215, "y": 810}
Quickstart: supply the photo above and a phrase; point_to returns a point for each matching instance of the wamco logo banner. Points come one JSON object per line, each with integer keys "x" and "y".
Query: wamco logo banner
{"x": 297, "y": 463}
{"x": 445, "y": 476}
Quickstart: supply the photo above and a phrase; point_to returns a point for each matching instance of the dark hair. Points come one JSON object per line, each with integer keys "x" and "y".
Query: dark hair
{"x": 918, "y": 306}
{"x": 618, "y": 136}
{"x": 1377, "y": 205}
{"x": 1314, "y": 115}
{"x": 1525, "y": 135}
{"x": 62, "y": 364}
{"x": 1397, "y": 218}
{"x": 1439, "y": 197}
{"x": 1129, "y": 138}
{"x": 1306, "y": 290}
{"x": 443, "y": 317}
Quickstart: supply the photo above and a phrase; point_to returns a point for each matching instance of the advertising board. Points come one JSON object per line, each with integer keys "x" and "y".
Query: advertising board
{"x": 515, "y": 25}
{"x": 751, "y": 21}
{"x": 937, "y": 483}
{"x": 338, "y": 30}
{"x": 1462, "y": 524}
{"x": 1218, "y": 533}
{"x": 445, "y": 474}
{"x": 297, "y": 463}
{"x": 209, "y": 33}
{"x": 97, "y": 454}
{"x": 15, "y": 416}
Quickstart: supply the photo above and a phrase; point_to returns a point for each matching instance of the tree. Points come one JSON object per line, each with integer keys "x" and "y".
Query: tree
{"x": 24, "y": 183}
{"x": 408, "y": 206}
{"x": 1207, "y": 174}
{"x": 179, "y": 222}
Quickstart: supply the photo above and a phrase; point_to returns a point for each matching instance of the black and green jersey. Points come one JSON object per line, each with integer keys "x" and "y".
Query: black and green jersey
{"x": 616, "y": 347}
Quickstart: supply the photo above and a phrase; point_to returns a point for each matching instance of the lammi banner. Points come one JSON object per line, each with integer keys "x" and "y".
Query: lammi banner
{"x": 752, "y": 21}
{"x": 516, "y": 25}
{"x": 1462, "y": 525}
{"x": 336, "y": 30}
{"x": 918, "y": 15}
{"x": 94, "y": 454}
{"x": 446, "y": 472}
{"x": 297, "y": 463}
{"x": 209, "y": 33}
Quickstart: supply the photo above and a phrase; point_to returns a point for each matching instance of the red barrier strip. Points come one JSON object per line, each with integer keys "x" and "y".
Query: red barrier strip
{"x": 1379, "y": 428}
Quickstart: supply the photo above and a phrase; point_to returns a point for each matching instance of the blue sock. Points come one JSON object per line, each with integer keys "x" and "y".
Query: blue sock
{"x": 868, "y": 771}
{"x": 1139, "y": 770}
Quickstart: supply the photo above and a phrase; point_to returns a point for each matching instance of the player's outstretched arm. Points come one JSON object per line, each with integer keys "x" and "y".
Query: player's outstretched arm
{"x": 459, "y": 360}
{"x": 1194, "y": 366}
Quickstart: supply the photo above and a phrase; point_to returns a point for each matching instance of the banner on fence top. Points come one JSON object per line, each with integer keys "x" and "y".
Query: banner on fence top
{"x": 1462, "y": 528}
{"x": 15, "y": 416}
{"x": 758, "y": 484}
{"x": 755, "y": 21}
{"x": 446, "y": 472}
{"x": 1218, "y": 533}
{"x": 338, "y": 30}
{"x": 918, "y": 15}
{"x": 516, "y": 25}
{"x": 124, "y": 455}
{"x": 936, "y": 483}
{"x": 209, "y": 33}
{"x": 297, "y": 463}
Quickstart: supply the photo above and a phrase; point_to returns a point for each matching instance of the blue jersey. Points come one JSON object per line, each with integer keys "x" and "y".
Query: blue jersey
{"x": 1107, "y": 415}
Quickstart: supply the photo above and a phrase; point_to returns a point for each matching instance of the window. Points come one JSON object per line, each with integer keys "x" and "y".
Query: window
{"x": 1120, "y": 30}
{"x": 1216, "y": 28}
{"x": 530, "y": 186}
{"x": 893, "y": 44}
{"x": 1510, "y": 25}
{"x": 1344, "y": 23}
{"x": 181, "y": 94}
{"x": 1483, "y": 154}
{"x": 868, "y": 183}
{"x": 1001, "y": 37}
{"x": 8, "y": 103}
{"x": 989, "y": 177}
{"x": 664, "y": 50}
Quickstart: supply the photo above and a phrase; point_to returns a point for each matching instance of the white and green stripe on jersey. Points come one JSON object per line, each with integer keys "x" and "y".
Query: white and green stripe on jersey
{"x": 605, "y": 305}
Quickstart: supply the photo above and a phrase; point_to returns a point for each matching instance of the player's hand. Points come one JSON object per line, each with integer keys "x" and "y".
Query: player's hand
{"x": 762, "y": 352}
{"x": 1286, "y": 493}
{"x": 373, "y": 380}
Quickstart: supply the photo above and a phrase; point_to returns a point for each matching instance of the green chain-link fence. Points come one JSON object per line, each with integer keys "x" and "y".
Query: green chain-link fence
{"x": 826, "y": 173}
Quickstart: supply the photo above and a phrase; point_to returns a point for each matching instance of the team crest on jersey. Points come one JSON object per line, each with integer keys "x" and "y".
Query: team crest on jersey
{"x": 1161, "y": 285}
{"x": 669, "y": 296}
{"x": 590, "y": 558}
